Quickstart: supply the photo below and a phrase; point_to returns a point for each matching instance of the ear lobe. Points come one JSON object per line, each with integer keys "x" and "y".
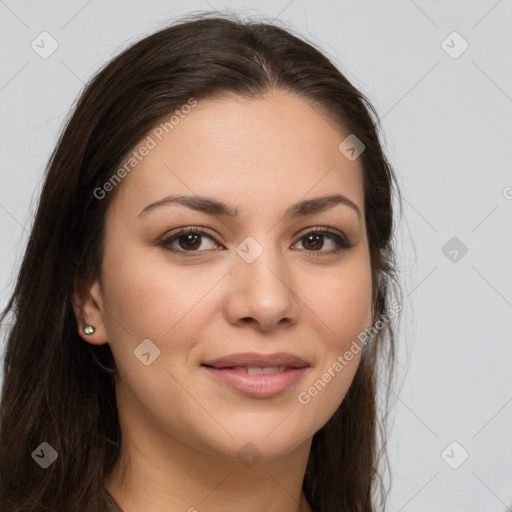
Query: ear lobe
{"x": 87, "y": 305}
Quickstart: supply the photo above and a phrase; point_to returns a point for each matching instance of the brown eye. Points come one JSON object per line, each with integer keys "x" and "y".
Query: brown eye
{"x": 314, "y": 241}
{"x": 190, "y": 241}
{"x": 186, "y": 240}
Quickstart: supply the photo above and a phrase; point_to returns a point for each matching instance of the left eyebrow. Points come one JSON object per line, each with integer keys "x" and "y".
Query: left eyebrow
{"x": 211, "y": 206}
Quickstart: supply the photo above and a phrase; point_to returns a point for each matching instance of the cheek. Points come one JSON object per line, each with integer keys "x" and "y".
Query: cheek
{"x": 340, "y": 302}
{"x": 148, "y": 298}
{"x": 340, "y": 311}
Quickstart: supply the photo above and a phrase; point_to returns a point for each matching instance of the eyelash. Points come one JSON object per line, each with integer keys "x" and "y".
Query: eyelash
{"x": 340, "y": 240}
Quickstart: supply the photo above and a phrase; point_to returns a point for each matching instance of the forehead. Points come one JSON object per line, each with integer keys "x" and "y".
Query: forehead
{"x": 273, "y": 148}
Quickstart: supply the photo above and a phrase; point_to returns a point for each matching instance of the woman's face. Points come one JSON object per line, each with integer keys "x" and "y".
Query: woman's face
{"x": 257, "y": 282}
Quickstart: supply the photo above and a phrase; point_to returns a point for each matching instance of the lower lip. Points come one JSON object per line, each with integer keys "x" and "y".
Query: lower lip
{"x": 259, "y": 386}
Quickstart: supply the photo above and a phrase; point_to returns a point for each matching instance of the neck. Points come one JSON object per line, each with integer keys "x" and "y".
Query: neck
{"x": 147, "y": 478}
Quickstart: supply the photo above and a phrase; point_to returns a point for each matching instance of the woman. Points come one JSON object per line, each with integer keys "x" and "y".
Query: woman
{"x": 204, "y": 301}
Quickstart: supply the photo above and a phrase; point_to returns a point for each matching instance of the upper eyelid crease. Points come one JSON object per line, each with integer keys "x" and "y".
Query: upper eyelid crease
{"x": 213, "y": 207}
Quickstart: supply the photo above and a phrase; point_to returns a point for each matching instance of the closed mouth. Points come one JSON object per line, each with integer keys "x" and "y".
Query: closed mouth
{"x": 255, "y": 370}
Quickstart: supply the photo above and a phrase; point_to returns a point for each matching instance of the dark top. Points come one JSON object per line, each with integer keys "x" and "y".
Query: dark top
{"x": 112, "y": 504}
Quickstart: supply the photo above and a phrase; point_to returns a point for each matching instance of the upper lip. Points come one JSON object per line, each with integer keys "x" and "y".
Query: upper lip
{"x": 253, "y": 359}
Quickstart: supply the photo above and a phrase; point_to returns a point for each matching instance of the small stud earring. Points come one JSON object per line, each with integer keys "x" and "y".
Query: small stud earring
{"x": 88, "y": 329}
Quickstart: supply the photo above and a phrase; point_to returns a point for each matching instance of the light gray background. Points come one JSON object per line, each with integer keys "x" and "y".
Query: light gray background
{"x": 448, "y": 132}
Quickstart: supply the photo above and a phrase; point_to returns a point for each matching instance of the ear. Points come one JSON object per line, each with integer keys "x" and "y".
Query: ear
{"x": 88, "y": 307}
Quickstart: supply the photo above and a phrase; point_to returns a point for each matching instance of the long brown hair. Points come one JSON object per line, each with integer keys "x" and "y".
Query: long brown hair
{"x": 56, "y": 388}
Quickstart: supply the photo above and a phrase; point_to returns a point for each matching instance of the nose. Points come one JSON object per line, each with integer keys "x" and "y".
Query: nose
{"x": 261, "y": 291}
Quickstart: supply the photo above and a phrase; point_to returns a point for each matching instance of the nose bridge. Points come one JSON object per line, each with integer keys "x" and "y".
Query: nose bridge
{"x": 263, "y": 283}
{"x": 260, "y": 263}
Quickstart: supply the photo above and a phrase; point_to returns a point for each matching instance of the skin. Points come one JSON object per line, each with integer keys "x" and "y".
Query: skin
{"x": 182, "y": 429}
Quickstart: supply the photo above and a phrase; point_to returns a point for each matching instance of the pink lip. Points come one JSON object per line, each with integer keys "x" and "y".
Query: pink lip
{"x": 259, "y": 386}
{"x": 228, "y": 369}
{"x": 261, "y": 360}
